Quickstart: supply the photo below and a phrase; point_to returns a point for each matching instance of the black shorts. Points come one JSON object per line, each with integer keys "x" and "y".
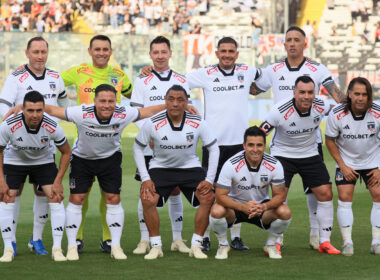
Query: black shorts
{"x": 225, "y": 153}
{"x": 166, "y": 179}
{"x": 107, "y": 170}
{"x": 147, "y": 160}
{"x": 312, "y": 170}
{"x": 308, "y": 190}
{"x": 340, "y": 180}
{"x": 43, "y": 174}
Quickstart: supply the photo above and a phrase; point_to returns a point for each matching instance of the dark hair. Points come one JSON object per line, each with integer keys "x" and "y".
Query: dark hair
{"x": 304, "y": 79}
{"x": 104, "y": 87}
{"x": 36, "y": 39}
{"x": 101, "y": 38}
{"x": 160, "y": 40}
{"x": 227, "y": 40}
{"x": 368, "y": 87}
{"x": 254, "y": 131}
{"x": 177, "y": 88}
{"x": 296, "y": 28}
{"x": 34, "y": 97}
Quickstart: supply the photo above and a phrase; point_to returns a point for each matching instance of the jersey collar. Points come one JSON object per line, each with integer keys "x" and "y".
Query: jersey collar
{"x": 250, "y": 169}
{"x": 294, "y": 68}
{"x": 27, "y": 127}
{"x": 34, "y": 75}
{"x": 357, "y": 118}
{"x": 225, "y": 73}
{"x": 299, "y": 112}
{"x": 175, "y": 128}
{"x": 161, "y": 78}
{"x": 100, "y": 121}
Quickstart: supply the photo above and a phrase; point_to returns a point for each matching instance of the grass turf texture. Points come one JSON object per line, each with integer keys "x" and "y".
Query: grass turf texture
{"x": 298, "y": 260}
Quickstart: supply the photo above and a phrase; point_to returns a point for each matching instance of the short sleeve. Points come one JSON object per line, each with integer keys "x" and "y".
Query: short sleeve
{"x": 137, "y": 98}
{"x": 195, "y": 79}
{"x": 4, "y": 134}
{"x": 74, "y": 114}
{"x": 225, "y": 176}
{"x": 278, "y": 175}
{"x": 332, "y": 129}
{"x": 144, "y": 135}
{"x": 59, "y": 137}
{"x": 206, "y": 134}
{"x": 69, "y": 76}
{"x": 264, "y": 80}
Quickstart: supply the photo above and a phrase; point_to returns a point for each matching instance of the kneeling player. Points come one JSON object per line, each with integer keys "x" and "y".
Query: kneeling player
{"x": 242, "y": 194}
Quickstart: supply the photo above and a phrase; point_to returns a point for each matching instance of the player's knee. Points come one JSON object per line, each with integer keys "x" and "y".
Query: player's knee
{"x": 323, "y": 193}
{"x": 217, "y": 211}
{"x": 207, "y": 199}
{"x": 148, "y": 203}
{"x": 112, "y": 198}
{"x": 284, "y": 212}
{"x": 77, "y": 199}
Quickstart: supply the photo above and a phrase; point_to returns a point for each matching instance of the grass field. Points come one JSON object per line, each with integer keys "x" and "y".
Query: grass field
{"x": 299, "y": 262}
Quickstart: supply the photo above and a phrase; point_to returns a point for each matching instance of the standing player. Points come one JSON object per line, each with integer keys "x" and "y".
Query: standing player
{"x": 351, "y": 133}
{"x": 294, "y": 144}
{"x": 29, "y": 77}
{"x": 242, "y": 194}
{"x": 24, "y": 151}
{"x": 86, "y": 77}
{"x": 175, "y": 134}
{"x": 281, "y": 77}
{"x": 150, "y": 90}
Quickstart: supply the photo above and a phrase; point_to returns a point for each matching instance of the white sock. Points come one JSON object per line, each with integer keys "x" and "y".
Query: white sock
{"x": 219, "y": 226}
{"x": 115, "y": 221}
{"x": 276, "y": 229}
{"x": 235, "y": 231}
{"x": 176, "y": 215}
{"x": 16, "y": 213}
{"x": 207, "y": 232}
{"x": 6, "y": 223}
{"x": 196, "y": 240}
{"x": 312, "y": 204}
{"x": 41, "y": 214}
{"x": 345, "y": 220}
{"x": 375, "y": 222}
{"x": 57, "y": 222}
{"x": 73, "y": 220}
{"x": 143, "y": 229}
{"x": 155, "y": 241}
{"x": 325, "y": 216}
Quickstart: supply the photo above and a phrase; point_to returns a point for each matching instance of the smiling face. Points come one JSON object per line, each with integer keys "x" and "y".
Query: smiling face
{"x": 227, "y": 54}
{"x": 100, "y": 52}
{"x": 105, "y": 104}
{"x": 295, "y": 43}
{"x": 254, "y": 147}
{"x": 37, "y": 53}
{"x": 359, "y": 98}
{"x": 304, "y": 93}
{"x": 33, "y": 113}
{"x": 160, "y": 55}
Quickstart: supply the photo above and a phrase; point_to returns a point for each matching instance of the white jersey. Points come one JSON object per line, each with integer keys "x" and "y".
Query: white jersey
{"x": 281, "y": 77}
{"x": 355, "y": 136}
{"x": 296, "y": 133}
{"x": 50, "y": 84}
{"x": 226, "y": 99}
{"x": 246, "y": 183}
{"x": 30, "y": 147}
{"x": 99, "y": 139}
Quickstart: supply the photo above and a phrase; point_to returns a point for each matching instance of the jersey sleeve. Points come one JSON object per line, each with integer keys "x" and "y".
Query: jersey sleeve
{"x": 137, "y": 98}
{"x": 70, "y": 76}
{"x": 61, "y": 89}
{"x": 272, "y": 120}
{"x": 325, "y": 76}
{"x": 133, "y": 114}
{"x": 332, "y": 129}
{"x": 127, "y": 85}
{"x": 4, "y": 134}
{"x": 144, "y": 135}
{"x": 59, "y": 136}
{"x": 195, "y": 79}
{"x": 278, "y": 177}
{"x": 225, "y": 176}
{"x": 74, "y": 114}
{"x": 264, "y": 78}
{"x": 206, "y": 135}
{"x": 8, "y": 95}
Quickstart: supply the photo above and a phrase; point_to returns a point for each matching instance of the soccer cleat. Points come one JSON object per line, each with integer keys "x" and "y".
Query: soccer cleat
{"x": 179, "y": 245}
{"x": 117, "y": 253}
{"x": 155, "y": 252}
{"x": 273, "y": 251}
{"x": 348, "y": 250}
{"x": 222, "y": 253}
{"x": 142, "y": 248}
{"x": 80, "y": 245}
{"x": 314, "y": 242}
{"x": 106, "y": 246}
{"x": 72, "y": 253}
{"x": 327, "y": 248}
{"x": 37, "y": 246}
{"x": 196, "y": 252}
{"x": 57, "y": 255}
{"x": 206, "y": 244}
{"x": 14, "y": 246}
{"x": 8, "y": 255}
{"x": 238, "y": 244}
{"x": 375, "y": 249}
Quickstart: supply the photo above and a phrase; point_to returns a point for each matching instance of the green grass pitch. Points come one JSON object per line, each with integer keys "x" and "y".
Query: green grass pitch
{"x": 299, "y": 262}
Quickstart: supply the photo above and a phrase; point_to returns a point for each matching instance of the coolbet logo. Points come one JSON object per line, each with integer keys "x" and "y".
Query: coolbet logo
{"x": 240, "y": 165}
{"x": 48, "y": 128}
{"x": 268, "y": 166}
{"x": 119, "y": 115}
{"x": 289, "y": 113}
{"x": 192, "y": 124}
{"x": 16, "y": 126}
{"x": 88, "y": 115}
{"x": 161, "y": 124}
{"x": 24, "y": 77}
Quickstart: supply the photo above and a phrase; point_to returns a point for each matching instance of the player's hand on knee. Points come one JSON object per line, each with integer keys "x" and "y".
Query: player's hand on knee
{"x": 4, "y": 191}
{"x": 147, "y": 190}
{"x": 374, "y": 179}
{"x": 204, "y": 187}
{"x": 57, "y": 192}
{"x": 349, "y": 173}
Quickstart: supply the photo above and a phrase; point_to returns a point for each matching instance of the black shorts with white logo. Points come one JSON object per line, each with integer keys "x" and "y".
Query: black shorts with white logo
{"x": 147, "y": 160}
{"x": 42, "y": 175}
{"x": 340, "y": 180}
{"x": 166, "y": 179}
{"x": 107, "y": 170}
{"x": 225, "y": 152}
{"x": 312, "y": 170}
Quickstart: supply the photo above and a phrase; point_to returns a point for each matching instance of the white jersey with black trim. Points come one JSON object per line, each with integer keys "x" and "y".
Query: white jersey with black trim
{"x": 99, "y": 139}
{"x": 281, "y": 77}
{"x": 50, "y": 84}
{"x": 246, "y": 183}
{"x": 25, "y": 146}
{"x": 226, "y": 99}
{"x": 355, "y": 136}
{"x": 296, "y": 133}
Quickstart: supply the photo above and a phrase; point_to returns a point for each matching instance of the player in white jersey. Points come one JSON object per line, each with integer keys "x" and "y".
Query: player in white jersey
{"x": 24, "y": 151}
{"x": 294, "y": 143}
{"x": 29, "y": 77}
{"x": 281, "y": 76}
{"x": 351, "y": 133}
{"x": 175, "y": 134}
{"x": 151, "y": 90}
{"x": 242, "y": 194}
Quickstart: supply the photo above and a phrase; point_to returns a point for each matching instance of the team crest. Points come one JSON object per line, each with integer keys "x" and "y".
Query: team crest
{"x": 115, "y": 126}
{"x": 53, "y": 86}
{"x": 190, "y": 136}
{"x": 317, "y": 119}
{"x": 241, "y": 78}
{"x": 371, "y": 126}
{"x": 44, "y": 139}
{"x": 264, "y": 179}
{"x": 114, "y": 81}
{"x": 339, "y": 176}
{"x": 72, "y": 183}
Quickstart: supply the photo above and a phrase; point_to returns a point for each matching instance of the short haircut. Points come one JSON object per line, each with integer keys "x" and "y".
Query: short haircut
{"x": 368, "y": 87}
{"x": 104, "y": 87}
{"x": 36, "y": 39}
{"x": 227, "y": 40}
{"x": 160, "y": 40}
{"x": 177, "y": 88}
{"x": 254, "y": 131}
{"x": 304, "y": 79}
{"x": 101, "y": 38}
{"x": 296, "y": 28}
{"x": 34, "y": 97}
